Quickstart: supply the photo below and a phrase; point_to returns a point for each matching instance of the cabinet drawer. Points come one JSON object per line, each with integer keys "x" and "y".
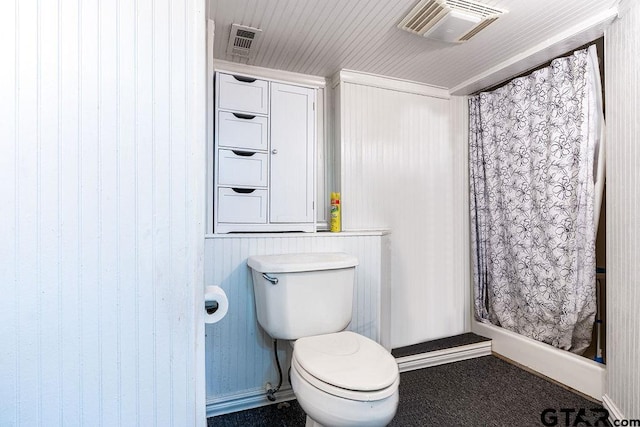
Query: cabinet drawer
{"x": 242, "y": 206}
{"x": 242, "y": 131}
{"x": 236, "y": 168}
{"x": 243, "y": 94}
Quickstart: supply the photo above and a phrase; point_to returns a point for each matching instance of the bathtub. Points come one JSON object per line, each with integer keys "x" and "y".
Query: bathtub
{"x": 581, "y": 374}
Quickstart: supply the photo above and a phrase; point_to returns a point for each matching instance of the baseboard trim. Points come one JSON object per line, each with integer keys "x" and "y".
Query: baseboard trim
{"x": 615, "y": 414}
{"x": 249, "y": 399}
{"x": 255, "y": 398}
{"x": 441, "y": 357}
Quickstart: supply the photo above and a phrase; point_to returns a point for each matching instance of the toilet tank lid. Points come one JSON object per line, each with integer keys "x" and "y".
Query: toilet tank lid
{"x": 290, "y": 263}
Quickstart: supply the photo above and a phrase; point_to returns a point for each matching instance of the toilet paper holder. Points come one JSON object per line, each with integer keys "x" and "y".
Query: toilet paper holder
{"x": 216, "y": 304}
{"x": 211, "y": 306}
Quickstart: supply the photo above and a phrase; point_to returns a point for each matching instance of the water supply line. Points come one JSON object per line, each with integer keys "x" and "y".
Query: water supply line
{"x": 272, "y": 391}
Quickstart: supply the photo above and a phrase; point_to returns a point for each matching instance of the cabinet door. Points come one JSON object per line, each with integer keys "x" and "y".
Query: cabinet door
{"x": 292, "y": 154}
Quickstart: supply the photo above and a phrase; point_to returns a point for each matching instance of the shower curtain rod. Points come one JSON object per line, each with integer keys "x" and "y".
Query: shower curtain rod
{"x": 599, "y": 42}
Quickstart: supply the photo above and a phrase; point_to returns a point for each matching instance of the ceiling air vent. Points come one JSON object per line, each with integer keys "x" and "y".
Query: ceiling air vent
{"x": 242, "y": 41}
{"x": 449, "y": 20}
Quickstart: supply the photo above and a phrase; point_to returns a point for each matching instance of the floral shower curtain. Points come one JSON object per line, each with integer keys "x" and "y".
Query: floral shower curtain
{"x": 532, "y": 148}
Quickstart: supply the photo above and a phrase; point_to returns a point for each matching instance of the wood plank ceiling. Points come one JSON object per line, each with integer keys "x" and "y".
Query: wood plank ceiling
{"x": 320, "y": 37}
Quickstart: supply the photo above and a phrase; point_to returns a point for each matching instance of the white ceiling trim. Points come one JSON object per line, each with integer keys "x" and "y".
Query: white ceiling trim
{"x": 624, "y": 6}
{"x": 269, "y": 73}
{"x": 572, "y": 38}
{"x": 383, "y": 82}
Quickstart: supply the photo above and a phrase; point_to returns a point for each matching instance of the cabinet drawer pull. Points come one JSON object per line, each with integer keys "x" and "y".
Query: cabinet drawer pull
{"x": 244, "y": 116}
{"x": 243, "y": 153}
{"x": 244, "y": 190}
{"x": 244, "y": 79}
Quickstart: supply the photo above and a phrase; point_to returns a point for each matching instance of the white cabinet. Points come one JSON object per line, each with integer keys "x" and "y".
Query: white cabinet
{"x": 264, "y": 150}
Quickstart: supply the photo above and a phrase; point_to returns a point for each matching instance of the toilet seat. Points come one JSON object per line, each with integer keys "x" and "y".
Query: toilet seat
{"x": 347, "y": 365}
{"x": 361, "y": 396}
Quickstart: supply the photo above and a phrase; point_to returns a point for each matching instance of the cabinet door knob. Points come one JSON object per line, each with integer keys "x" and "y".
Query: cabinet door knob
{"x": 274, "y": 151}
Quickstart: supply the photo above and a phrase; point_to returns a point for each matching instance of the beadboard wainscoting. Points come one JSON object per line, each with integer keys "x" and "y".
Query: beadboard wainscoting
{"x": 101, "y": 242}
{"x": 622, "y": 61}
{"x": 401, "y": 169}
{"x": 239, "y": 354}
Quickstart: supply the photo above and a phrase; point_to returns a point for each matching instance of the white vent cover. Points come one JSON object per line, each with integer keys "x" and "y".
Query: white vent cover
{"x": 242, "y": 41}
{"x": 449, "y": 20}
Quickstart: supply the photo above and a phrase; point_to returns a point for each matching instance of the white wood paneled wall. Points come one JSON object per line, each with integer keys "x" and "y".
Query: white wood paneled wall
{"x": 101, "y": 204}
{"x": 622, "y": 62}
{"x": 239, "y": 354}
{"x": 400, "y": 169}
{"x": 459, "y": 140}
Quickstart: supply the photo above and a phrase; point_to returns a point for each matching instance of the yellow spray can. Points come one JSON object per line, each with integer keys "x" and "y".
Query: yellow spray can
{"x": 336, "y": 225}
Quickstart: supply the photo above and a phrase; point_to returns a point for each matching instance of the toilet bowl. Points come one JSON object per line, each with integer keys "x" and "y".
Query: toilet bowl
{"x": 341, "y": 379}
{"x": 344, "y": 379}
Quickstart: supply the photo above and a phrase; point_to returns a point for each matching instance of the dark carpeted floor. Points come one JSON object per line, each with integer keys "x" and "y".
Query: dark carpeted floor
{"x": 276, "y": 415}
{"x": 485, "y": 391}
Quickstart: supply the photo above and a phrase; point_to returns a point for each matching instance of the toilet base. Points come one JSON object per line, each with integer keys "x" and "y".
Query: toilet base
{"x": 339, "y": 412}
{"x": 311, "y": 423}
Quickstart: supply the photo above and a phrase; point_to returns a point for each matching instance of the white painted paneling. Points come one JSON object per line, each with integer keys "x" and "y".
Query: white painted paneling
{"x": 567, "y": 40}
{"x": 239, "y": 353}
{"x": 102, "y": 186}
{"x": 322, "y": 37}
{"x": 323, "y": 165}
{"x": 459, "y": 140}
{"x": 400, "y": 170}
{"x": 622, "y": 63}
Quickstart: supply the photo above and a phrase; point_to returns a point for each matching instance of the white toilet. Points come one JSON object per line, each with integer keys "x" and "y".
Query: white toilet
{"x": 339, "y": 378}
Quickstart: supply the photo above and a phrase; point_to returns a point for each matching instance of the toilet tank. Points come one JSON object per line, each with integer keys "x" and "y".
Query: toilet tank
{"x": 299, "y": 295}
